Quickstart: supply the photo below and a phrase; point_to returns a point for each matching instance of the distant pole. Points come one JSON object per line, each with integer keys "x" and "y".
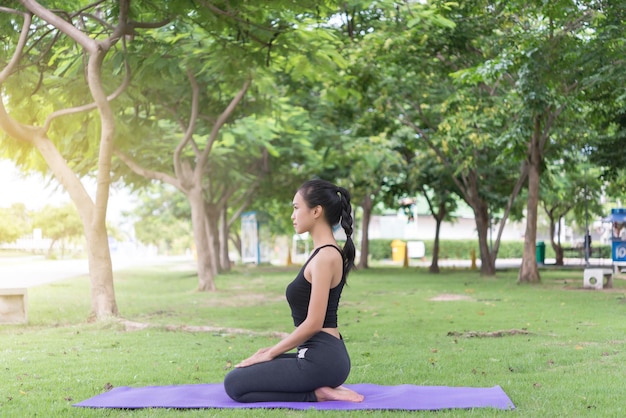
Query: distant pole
{"x": 587, "y": 241}
{"x": 473, "y": 258}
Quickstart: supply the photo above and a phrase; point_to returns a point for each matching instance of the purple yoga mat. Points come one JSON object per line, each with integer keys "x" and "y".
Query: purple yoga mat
{"x": 404, "y": 397}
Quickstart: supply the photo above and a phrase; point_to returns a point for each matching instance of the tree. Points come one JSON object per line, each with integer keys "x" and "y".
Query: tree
{"x": 162, "y": 219}
{"x": 59, "y": 224}
{"x": 14, "y": 223}
{"x": 375, "y": 165}
{"x": 518, "y": 72}
{"x": 440, "y": 193}
{"x": 210, "y": 112}
{"x": 606, "y": 95}
{"x": 188, "y": 177}
{"x": 369, "y": 147}
{"x": 61, "y": 67}
{"x": 572, "y": 187}
{"x": 459, "y": 116}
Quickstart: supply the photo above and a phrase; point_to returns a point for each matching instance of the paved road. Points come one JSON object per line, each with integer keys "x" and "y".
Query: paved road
{"x": 36, "y": 270}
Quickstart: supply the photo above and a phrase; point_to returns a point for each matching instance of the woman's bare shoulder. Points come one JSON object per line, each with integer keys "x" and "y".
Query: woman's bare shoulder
{"x": 328, "y": 256}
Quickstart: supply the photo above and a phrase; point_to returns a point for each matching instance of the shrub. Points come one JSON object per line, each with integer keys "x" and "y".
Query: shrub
{"x": 380, "y": 249}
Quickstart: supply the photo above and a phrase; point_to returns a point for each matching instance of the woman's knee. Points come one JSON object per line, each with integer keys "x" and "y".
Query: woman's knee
{"x": 231, "y": 383}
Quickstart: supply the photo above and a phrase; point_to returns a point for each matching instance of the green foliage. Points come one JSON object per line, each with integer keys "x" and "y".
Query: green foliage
{"x": 162, "y": 219}
{"x": 58, "y": 222}
{"x": 380, "y": 249}
{"x": 14, "y": 223}
{"x": 572, "y": 190}
{"x": 50, "y": 77}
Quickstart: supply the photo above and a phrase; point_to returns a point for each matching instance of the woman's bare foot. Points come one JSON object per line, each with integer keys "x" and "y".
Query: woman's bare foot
{"x": 340, "y": 393}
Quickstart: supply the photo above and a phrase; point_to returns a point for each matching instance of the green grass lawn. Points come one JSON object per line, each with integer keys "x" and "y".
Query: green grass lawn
{"x": 562, "y": 352}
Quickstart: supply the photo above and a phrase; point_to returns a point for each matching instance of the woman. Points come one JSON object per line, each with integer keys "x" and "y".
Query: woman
{"x": 321, "y": 364}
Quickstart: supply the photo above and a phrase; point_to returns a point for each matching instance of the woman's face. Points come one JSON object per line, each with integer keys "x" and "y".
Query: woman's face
{"x": 302, "y": 216}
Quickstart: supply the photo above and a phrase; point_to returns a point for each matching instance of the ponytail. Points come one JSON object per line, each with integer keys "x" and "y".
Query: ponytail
{"x": 349, "y": 251}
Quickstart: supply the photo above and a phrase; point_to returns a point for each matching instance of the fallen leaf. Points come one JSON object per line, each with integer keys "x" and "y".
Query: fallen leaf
{"x": 108, "y": 386}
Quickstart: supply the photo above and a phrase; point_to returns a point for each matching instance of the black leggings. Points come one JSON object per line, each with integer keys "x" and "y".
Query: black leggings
{"x": 293, "y": 377}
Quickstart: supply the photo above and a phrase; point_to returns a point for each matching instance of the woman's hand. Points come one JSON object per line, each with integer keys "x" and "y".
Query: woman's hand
{"x": 260, "y": 356}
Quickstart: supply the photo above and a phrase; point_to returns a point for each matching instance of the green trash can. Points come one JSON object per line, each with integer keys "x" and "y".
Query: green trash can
{"x": 540, "y": 252}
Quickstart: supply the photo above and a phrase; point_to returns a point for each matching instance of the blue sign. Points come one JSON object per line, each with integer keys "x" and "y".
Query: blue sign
{"x": 619, "y": 250}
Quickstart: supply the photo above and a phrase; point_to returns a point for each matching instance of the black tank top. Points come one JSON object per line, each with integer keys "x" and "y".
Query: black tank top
{"x": 299, "y": 293}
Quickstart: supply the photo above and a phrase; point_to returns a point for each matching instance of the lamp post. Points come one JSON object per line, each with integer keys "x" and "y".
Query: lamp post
{"x": 587, "y": 241}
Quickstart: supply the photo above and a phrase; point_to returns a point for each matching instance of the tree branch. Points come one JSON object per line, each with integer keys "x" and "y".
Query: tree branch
{"x": 12, "y": 127}
{"x": 90, "y": 106}
{"x": 509, "y": 204}
{"x": 149, "y": 25}
{"x": 193, "y": 117}
{"x": 15, "y": 59}
{"x": 149, "y": 174}
{"x": 221, "y": 120}
{"x": 545, "y": 132}
{"x": 79, "y": 37}
{"x": 439, "y": 154}
{"x": 236, "y": 18}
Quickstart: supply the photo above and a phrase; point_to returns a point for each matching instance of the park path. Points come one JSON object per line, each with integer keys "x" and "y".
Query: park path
{"x": 20, "y": 272}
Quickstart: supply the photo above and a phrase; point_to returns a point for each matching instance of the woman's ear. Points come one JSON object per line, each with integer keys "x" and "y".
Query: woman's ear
{"x": 317, "y": 211}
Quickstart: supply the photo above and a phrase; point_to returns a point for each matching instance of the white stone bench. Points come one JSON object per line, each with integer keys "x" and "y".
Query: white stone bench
{"x": 13, "y": 306}
{"x": 593, "y": 278}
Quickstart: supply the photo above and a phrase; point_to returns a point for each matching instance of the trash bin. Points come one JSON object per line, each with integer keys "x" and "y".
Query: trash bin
{"x": 398, "y": 250}
{"x": 540, "y": 252}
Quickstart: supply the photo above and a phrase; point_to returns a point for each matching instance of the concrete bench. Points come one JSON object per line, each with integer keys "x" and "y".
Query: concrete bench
{"x": 13, "y": 306}
{"x": 593, "y": 278}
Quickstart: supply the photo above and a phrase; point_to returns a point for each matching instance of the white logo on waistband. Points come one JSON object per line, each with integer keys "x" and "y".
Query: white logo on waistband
{"x": 301, "y": 352}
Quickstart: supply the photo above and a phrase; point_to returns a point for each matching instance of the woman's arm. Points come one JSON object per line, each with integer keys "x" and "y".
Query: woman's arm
{"x": 323, "y": 269}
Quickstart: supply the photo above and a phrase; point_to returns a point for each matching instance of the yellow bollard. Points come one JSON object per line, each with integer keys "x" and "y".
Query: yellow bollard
{"x": 406, "y": 258}
{"x": 473, "y": 257}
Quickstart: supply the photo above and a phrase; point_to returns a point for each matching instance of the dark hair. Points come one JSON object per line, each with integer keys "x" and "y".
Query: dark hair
{"x": 336, "y": 203}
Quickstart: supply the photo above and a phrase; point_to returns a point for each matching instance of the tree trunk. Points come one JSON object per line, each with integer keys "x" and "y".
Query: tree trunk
{"x": 487, "y": 260}
{"x": 212, "y": 230}
{"x": 51, "y": 248}
{"x": 556, "y": 246}
{"x": 559, "y": 248}
{"x": 367, "y": 204}
{"x": 558, "y": 251}
{"x": 529, "y": 273}
{"x": 223, "y": 233}
{"x": 206, "y": 274}
{"x": 103, "y": 302}
{"x": 434, "y": 264}
{"x": 100, "y": 272}
{"x": 235, "y": 238}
